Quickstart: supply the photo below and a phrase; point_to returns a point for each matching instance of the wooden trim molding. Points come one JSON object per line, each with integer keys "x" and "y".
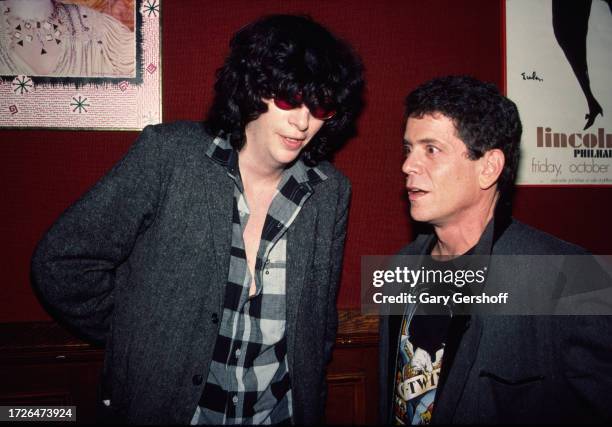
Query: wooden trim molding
{"x": 355, "y": 329}
{"x": 49, "y": 338}
{"x": 43, "y": 341}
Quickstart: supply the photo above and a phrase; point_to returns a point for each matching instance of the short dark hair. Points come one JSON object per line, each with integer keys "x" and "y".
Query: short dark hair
{"x": 285, "y": 55}
{"x": 483, "y": 117}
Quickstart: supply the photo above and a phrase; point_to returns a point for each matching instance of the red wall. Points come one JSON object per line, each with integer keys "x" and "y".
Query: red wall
{"x": 402, "y": 43}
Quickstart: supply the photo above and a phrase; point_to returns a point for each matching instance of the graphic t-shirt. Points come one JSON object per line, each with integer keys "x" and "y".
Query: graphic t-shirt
{"x": 423, "y": 339}
{"x": 419, "y": 363}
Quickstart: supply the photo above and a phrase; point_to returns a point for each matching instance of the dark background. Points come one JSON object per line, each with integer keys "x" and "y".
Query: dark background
{"x": 402, "y": 43}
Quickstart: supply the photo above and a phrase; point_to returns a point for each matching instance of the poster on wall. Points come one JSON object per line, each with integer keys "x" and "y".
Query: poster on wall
{"x": 80, "y": 64}
{"x": 558, "y": 71}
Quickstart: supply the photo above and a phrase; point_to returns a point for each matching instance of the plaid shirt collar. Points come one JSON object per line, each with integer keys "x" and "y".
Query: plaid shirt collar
{"x": 222, "y": 152}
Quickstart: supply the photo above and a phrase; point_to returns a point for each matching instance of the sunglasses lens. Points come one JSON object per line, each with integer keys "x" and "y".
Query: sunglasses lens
{"x": 283, "y": 104}
{"x": 323, "y": 113}
{"x": 320, "y": 113}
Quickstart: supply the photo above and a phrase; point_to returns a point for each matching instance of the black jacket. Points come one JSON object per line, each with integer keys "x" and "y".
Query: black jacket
{"x": 515, "y": 369}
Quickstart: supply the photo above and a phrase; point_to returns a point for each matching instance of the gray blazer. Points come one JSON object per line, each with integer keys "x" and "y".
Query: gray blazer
{"x": 515, "y": 369}
{"x": 140, "y": 263}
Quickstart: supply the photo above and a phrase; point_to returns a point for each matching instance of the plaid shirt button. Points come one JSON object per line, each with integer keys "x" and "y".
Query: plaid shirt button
{"x": 235, "y": 400}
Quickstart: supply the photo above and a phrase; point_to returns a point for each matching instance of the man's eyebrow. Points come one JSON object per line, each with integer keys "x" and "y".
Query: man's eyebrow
{"x": 423, "y": 141}
{"x": 429, "y": 141}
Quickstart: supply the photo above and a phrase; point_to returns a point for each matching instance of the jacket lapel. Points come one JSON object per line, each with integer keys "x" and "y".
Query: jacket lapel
{"x": 448, "y": 400}
{"x": 300, "y": 244}
{"x": 219, "y": 196}
{"x": 446, "y": 404}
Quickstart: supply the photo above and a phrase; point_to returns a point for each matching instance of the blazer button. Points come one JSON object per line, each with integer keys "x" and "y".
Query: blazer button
{"x": 197, "y": 379}
{"x": 215, "y": 318}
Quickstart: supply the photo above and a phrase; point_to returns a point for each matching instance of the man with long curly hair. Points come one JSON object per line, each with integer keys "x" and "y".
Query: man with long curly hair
{"x": 208, "y": 259}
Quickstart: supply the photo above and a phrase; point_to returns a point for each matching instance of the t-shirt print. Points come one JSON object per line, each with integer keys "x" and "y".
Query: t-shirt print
{"x": 419, "y": 364}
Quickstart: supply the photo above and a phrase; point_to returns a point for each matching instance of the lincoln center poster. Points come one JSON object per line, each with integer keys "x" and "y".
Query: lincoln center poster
{"x": 558, "y": 71}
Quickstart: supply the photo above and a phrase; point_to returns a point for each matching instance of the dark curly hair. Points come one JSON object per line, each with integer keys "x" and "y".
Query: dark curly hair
{"x": 483, "y": 117}
{"x": 287, "y": 55}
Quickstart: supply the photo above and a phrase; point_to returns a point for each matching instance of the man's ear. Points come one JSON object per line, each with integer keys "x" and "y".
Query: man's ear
{"x": 492, "y": 165}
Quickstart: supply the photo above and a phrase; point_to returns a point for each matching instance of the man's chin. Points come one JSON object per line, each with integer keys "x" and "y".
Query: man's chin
{"x": 286, "y": 158}
{"x": 419, "y": 216}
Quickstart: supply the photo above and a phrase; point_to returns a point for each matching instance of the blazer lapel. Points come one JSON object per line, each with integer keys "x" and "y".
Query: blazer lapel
{"x": 220, "y": 195}
{"x": 446, "y": 404}
{"x": 300, "y": 244}
{"x": 467, "y": 347}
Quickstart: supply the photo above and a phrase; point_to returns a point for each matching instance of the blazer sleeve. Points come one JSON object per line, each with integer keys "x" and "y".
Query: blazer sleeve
{"x": 74, "y": 265}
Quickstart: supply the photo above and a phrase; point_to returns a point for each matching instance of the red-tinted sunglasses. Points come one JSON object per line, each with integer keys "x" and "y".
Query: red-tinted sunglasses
{"x": 321, "y": 113}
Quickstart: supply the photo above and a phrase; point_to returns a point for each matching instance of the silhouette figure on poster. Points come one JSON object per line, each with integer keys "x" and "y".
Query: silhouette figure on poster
{"x": 571, "y": 25}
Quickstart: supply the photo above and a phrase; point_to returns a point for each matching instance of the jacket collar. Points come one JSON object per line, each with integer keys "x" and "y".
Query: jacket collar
{"x": 489, "y": 237}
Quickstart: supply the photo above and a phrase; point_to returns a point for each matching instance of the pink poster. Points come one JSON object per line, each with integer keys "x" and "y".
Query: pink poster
{"x": 80, "y": 64}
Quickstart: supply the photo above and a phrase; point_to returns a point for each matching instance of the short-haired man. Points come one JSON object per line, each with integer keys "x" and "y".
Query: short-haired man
{"x": 208, "y": 259}
{"x": 462, "y": 146}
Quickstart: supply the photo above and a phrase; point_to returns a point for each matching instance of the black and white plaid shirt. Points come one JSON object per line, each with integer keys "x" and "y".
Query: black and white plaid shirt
{"x": 248, "y": 381}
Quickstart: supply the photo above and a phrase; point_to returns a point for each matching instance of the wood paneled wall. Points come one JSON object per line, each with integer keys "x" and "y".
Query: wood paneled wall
{"x": 42, "y": 364}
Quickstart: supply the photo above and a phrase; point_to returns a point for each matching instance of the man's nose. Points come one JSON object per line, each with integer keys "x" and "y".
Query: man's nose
{"x": 411, "y": 164}
{"x": 300, "y": 117}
